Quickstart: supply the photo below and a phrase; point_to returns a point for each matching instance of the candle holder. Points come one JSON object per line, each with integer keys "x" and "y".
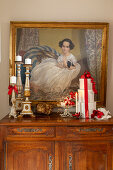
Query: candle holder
{"x": 13, "y": 100}
{"x": 27, "y": 104}
{"x": 19, "y": 98}
{"x": 66, "y": 112}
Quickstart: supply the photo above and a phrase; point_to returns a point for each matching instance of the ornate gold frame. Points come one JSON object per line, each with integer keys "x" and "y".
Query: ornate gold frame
{"x": 79, "y": 25}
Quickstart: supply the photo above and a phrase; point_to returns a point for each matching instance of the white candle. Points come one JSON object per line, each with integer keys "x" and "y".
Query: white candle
{"x": 76, "y": 103}
{"x": 18, "y": 58}
{"x": 62, "y": 104}
{"x": 13, "y": 80}
{"x": 27, "y": 61}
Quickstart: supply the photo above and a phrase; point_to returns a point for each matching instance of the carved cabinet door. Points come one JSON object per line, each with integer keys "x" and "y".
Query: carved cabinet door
{"x": 84, "y": 156}
{"x": 29, "y": 155}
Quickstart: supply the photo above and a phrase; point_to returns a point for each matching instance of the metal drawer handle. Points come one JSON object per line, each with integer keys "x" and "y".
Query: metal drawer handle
{"x": 50, "y": 162}
{"x": 29, "y": 130}
{"x": 91, "y": 130}
{"x": 70, "y": 162}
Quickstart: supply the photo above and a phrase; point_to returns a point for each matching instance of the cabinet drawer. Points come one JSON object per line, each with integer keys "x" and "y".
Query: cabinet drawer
{"x": 31, "y": 131}
{"x": 84, "y": 132}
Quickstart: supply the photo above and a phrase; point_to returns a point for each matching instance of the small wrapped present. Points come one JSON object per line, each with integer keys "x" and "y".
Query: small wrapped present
{"x": 81, "y": 83}
{"x": 91, "y": 107}
{"x": 81, "y": 97}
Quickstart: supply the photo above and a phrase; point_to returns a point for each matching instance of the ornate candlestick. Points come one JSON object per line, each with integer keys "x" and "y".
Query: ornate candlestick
{"x": 66, "y": 112}
{"x": 19, "y": 98}
{"x": 27, "y": 104}
{"x": 12, "y": 89}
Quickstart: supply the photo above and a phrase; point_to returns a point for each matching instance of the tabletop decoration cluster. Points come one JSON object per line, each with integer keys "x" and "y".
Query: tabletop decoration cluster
{"x": 83, "y": 98}
{"x": 20, "y": 104}
{"x": 84, "y": 101}
{"x": 68, "y": 102}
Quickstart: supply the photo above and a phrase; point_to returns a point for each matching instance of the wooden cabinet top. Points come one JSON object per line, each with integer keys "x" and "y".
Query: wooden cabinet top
{"x": 53, "y": 120}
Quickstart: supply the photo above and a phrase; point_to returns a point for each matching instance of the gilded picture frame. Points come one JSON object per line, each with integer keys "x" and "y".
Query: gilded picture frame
{"x": 91, "y": 50}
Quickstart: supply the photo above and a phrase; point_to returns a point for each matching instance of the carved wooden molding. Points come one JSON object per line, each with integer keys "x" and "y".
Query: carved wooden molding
{"x": 29, "y": 130}
{"x": 32, "y": 131}
{"x": 91, "y": 130}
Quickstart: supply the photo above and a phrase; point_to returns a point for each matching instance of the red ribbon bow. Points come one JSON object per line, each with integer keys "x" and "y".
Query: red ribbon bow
{"x": 72, "y": 95}
{"x": 97, "y": 113}
{"x": 87, "y": 75}
{"x": 11, "y": 89}
{"x": 68, "y": 101}
{"x": 77, "y": 115}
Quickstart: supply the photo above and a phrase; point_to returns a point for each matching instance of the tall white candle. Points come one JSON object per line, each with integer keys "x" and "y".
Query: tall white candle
{"x": 13, "y": 80}
{"x": 18, "y": 58}
{"x": 27, "y": 61}
{"x": 76, "y": 103}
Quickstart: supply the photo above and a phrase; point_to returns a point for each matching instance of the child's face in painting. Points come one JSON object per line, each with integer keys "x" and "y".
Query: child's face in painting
{"x": 65, "y": 47}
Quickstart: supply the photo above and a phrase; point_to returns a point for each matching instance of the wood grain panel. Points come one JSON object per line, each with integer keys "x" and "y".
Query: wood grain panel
{"x": 84, "y": 132}
{"x": 56, "y": 144}
{"x": 85, "y": 156}
{"x": 30, "y": 156}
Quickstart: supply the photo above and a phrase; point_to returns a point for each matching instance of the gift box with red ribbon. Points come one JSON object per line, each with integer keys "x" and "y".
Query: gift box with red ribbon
{"x": 86, "y": 103}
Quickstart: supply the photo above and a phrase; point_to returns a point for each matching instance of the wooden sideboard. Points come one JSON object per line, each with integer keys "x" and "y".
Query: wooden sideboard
{"x": 55, "y": 143}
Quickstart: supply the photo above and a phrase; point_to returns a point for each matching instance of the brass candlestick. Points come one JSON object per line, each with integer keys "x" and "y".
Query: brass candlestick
{"x": 19, "y": 98}
{"x": 27, "y": 104}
